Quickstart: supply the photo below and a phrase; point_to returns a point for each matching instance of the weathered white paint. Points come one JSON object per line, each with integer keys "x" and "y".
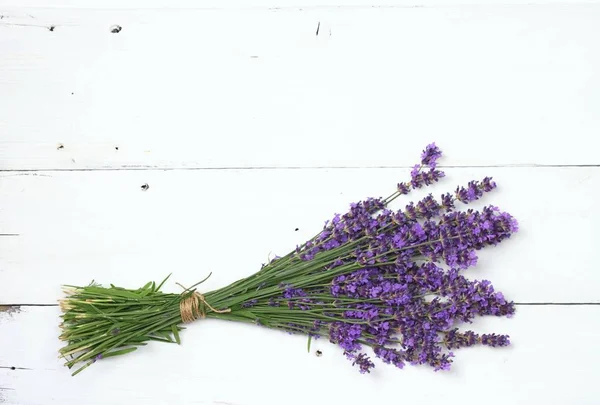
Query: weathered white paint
{"x": 215, "y": 88}
{"x": 198, "y": 88}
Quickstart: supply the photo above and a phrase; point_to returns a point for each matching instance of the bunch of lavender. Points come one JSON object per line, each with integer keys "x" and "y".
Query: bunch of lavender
{"x": 372, "y": 277}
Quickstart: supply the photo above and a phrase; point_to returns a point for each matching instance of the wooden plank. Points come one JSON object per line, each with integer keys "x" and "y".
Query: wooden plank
{"x": 253, "y": 88}
{"x": 274, "y": 4}
{"x": 222, "y": 363}
{"x": 74, "y": 227}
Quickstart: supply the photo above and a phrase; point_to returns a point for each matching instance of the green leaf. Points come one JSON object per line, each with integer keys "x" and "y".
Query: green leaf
{"x": 309, "y": 340}
{"x": 146, "y": 289}
{"x": 80, "y": 369}
{"x": 116, "y": 292}
{"x": 119, "y": 352}
{"x": 176, "y": 334}
{"x": 159, "y": 339}
{"x": 165, "y": 335}
{"x": 93, "y": 308}
{"x": 161, "y": 284}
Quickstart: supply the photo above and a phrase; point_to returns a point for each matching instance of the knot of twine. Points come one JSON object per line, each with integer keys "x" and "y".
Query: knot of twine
{"x": 194, "y": 307}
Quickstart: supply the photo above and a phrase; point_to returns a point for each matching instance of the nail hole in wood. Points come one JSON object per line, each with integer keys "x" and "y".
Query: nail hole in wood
{"x": 116, "y": 148}
{"x": 296, "y": 229}
{"x": 318, "y": 353}
{"x": 51, "y": 28}
{"x": 60, "y": 146}
{"x": 115, "y": 29}
{"x": 145, "y": 186}
{"x": 13, "y": 368}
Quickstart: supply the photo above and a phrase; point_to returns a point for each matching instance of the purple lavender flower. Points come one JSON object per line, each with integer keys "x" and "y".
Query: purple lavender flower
{"x": 345, "y": 335}
{"x": 474, "y": 190}
{"x": 428, "y": 207}
{"x": 290, "y": 292}
{"x": 455, "y": 339}
{"x": 495, "y": 340}
{"x": 249, "y": 304}
{"x": 389, "y": 289}
{"x": 433, "y": 176}
{"x": 487, "y": 184}
{"x": 390, "y": 356}
{"x": 420, "y": 178}
{"x": 365, "y": 364}
{"x": 430, "y": 155}
{"x": 404, "y": 188}
{"x": 447, "y": 202}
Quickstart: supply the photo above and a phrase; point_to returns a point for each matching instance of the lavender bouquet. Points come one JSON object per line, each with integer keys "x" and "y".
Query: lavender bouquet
{"x": 373, "y": 277}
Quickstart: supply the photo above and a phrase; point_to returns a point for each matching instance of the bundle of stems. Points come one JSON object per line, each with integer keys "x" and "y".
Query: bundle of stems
{"x": 372, "y": 277}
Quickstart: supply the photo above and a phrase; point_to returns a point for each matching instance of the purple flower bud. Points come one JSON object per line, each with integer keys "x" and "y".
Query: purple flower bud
{"x": 249, "y": 303}
{"x": 447, "y": 202}
{"x": 430, "y": 155}
{"x": 404, "y": 188}
{"x": 494, "y": 340}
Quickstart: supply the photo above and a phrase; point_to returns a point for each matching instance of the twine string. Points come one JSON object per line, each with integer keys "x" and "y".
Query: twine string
{"x": 194, "y": 307}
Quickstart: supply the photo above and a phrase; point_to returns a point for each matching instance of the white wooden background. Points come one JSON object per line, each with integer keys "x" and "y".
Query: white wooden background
{"x": 250, "y": 130}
